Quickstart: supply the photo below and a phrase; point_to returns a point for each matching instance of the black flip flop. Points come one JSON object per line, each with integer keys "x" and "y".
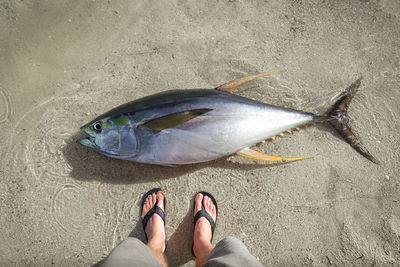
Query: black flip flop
{"x": 155, "y": 209}
{"x": 204, "y": 213}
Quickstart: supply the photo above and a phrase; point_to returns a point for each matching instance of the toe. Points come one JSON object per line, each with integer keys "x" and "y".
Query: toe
{"x": 197, "y": 202}
{"x": 160, "y": 196}
{"x": 213, "y": 213}
{"x": 207, "y": 202}
{"x": 149, "y": 201}
{"x": 210, "y": 207}
{"x": 153, "y": 199}
{"x": 146, "y": 206}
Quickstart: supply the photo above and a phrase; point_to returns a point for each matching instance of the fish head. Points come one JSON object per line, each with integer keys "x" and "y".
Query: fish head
{"x": 114, "y": 137}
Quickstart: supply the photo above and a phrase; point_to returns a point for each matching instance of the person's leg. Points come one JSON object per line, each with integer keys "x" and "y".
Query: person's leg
{"x": 202, "y": 230}
{"x": 155, "y": 227}
{"x": 231, "y": 252}
{"x": 130, "y": 252}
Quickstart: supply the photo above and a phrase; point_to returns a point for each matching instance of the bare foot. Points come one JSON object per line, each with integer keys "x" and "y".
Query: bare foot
{"x": 202, "y": 230}
{"x": 155, "y": 227}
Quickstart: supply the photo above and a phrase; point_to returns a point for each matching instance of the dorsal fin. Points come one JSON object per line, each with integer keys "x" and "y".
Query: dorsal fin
{"x": 175, "y": 119}
{"x": 232, "y": 85}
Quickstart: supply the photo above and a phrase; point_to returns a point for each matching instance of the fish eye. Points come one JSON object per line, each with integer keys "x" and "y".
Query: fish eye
{"x": 97, "y": 127}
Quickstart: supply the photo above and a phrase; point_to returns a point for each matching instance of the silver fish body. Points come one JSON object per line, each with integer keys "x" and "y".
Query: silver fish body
{"x": 230, "y": 124}
{"x": 190, "y": 126}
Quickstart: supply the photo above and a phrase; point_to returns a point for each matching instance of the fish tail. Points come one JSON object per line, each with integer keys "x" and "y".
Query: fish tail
{"x": 337, "y": 117}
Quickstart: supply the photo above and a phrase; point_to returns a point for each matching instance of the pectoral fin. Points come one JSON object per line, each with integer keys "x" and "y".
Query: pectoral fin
{"x": 232, "y": 85}
{"x": 175, "y": 119}
{"x": 252, "y": 154}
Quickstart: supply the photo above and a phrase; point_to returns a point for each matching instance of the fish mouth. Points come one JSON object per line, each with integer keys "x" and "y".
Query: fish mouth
{"x": 88, "y": 142}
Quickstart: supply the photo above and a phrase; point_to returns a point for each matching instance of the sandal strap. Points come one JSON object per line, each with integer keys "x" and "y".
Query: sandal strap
{"x": 155, "y": 209}
{"x": 203, "y": 213}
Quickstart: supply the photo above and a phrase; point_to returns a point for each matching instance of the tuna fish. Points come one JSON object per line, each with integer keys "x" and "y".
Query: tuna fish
{"x": 197, "y": 125}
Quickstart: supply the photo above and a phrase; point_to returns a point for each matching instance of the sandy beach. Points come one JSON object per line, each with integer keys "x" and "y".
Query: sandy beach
{"x": 62, "y": 63}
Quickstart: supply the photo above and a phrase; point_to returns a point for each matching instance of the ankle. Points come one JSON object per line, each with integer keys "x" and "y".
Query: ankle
{"x": 202, "y": 247}
{"x": 202, "y": 252}
{"x": 156, "y": 245}
{"x": 154, "y": 232}
{"x": 202, "y": 240}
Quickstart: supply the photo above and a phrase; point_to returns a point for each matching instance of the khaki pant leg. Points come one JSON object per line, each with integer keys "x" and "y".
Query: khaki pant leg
{"x": 231, "y": 252}
{"x": 130, "y": 252}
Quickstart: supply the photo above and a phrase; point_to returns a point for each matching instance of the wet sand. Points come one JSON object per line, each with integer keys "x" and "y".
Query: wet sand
{"x": 63, "y": 64}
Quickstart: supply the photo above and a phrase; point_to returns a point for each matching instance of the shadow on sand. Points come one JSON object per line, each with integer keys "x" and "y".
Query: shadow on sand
{"x": 88, "y": 165}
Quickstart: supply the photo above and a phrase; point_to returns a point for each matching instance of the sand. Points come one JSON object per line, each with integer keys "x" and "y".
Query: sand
{"x": 64, "y": 63}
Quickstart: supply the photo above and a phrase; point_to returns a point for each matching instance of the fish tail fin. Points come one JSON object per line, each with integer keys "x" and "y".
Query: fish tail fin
{"x": 337, "y": 117}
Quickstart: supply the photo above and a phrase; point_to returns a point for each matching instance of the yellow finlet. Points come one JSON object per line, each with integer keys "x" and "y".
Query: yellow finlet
{"x": 294, "y": 159}
{"x": 252, "y": 154}
{"x": 232, "y": 85}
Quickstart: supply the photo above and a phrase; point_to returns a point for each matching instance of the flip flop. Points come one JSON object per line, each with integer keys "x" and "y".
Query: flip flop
{"x": 203, "y": 213}
{"x": 154, "y": 210}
